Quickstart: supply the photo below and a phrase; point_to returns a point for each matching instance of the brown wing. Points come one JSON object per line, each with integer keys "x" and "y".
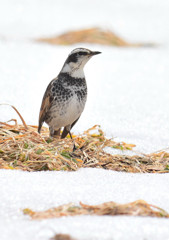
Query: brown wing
{"x": 45, "y": 106}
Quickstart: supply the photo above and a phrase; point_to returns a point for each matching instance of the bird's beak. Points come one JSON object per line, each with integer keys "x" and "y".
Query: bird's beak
{"x": 95, "y": 53}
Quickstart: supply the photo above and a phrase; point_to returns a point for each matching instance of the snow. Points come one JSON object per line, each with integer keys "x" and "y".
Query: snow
{"x": 128, "y": 97}
{"x": 137, "y": 20}
{"x": 43, "y": 190}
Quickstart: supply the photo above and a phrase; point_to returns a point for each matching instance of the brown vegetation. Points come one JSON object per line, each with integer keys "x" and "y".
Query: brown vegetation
{"x": 24, "y": 148}
{"x": 136, "y": 208}
{"x": 90, "y": 35}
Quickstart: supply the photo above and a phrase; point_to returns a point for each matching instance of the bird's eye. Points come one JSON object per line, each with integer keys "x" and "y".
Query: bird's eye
{"x": 74, "y": 56}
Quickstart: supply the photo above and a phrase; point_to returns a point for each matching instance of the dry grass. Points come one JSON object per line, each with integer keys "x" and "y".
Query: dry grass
{"x": 90, "y": 35}
{"x": 62, "y": 237}
{"x": 22, "y": 147}
{"x": 136, "y": 208}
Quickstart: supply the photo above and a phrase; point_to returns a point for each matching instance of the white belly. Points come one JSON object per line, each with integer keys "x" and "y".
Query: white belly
{"x": 67, "y": 113}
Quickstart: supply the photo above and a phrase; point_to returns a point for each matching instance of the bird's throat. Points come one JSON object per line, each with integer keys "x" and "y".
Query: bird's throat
{"x": 75, "y": 72}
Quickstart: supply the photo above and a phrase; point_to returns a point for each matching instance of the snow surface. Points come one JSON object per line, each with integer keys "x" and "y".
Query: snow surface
{"x": 43, "y": 190}
{"x": 128, "y": 97}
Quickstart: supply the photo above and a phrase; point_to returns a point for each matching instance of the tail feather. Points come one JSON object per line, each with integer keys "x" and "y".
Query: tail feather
{"x": 39, "y": 127}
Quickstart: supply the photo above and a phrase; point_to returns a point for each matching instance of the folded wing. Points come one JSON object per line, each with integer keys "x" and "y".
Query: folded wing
{"x": 45, "y": 106}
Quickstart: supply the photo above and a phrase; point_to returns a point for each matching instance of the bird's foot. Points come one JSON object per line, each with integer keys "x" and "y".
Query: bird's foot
{"x": 74, "y": 147}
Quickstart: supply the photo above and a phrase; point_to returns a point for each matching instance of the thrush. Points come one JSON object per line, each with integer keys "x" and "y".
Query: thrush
{"x": 65, "y": 97}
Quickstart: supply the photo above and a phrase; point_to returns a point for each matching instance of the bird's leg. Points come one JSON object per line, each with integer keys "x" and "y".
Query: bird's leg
{"x": 51, "y": 132}
{"x": 50, "y": 138}
{"x": 56, "y": 133}
{"x": 74, "y": 146}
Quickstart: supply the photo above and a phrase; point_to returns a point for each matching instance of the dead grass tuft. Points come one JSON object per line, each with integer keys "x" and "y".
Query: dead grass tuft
{"x": 62, "y": 237}
{"x": 22, "y": 147}
{"x": 136, "y": 208}
{"x": 25, "y": 149}
{"x": 90, "y": 35}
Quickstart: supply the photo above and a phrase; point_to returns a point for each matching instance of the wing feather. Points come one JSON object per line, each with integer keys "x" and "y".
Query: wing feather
{"x": 45, "y": 106}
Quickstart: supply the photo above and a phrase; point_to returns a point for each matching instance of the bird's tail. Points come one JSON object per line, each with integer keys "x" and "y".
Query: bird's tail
{"x": 39, "y": 128}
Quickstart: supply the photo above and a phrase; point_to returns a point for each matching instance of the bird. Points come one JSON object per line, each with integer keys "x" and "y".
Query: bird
{"x": 65, "y": 97}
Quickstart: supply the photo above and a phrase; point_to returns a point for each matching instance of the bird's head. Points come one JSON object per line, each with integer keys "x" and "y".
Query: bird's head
{"x": 76, "y": 61}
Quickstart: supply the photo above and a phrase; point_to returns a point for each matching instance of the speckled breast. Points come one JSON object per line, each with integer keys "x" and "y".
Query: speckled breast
{"x": 69, "y": 96}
